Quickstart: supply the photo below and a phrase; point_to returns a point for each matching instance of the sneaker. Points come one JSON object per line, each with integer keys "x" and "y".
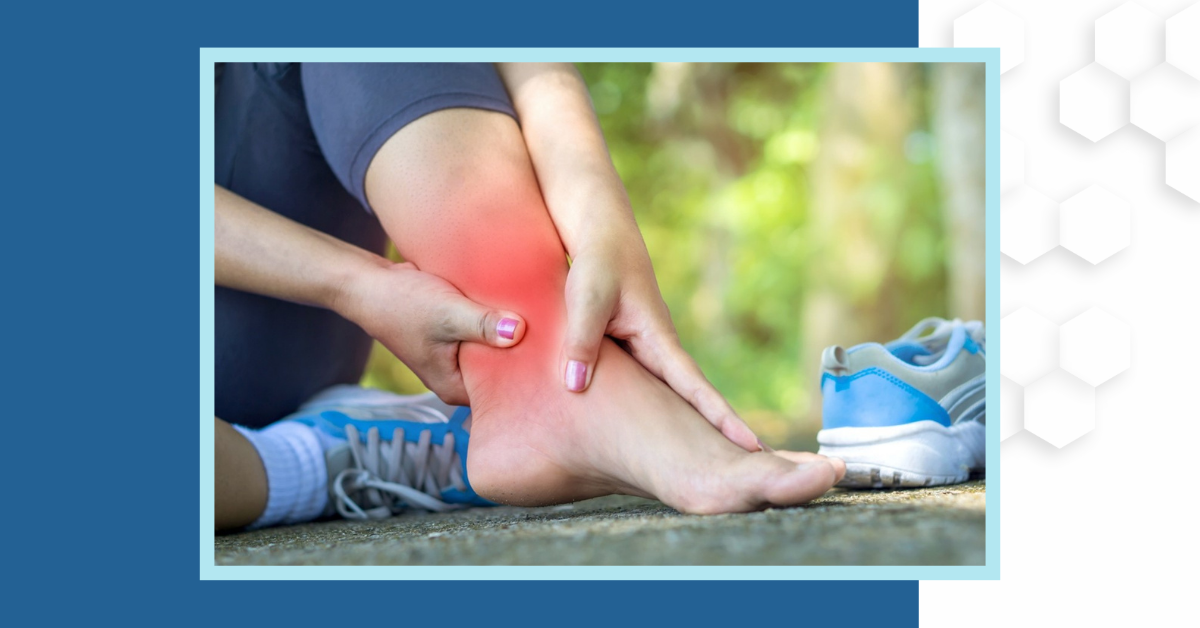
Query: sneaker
{"x": 395, "y": 452}
{"x": 908, "y": 413}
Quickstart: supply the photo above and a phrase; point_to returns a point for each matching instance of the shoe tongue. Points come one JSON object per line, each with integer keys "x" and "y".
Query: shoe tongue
{"x": 337, "y": 459}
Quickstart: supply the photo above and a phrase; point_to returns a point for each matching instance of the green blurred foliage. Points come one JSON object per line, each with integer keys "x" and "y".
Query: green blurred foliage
{"x": 720, "y": 162}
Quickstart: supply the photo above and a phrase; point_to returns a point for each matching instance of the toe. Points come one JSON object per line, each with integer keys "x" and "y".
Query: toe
{"x": 799, "y": 457}
{"x": 805, "y": 457}
{"x": 755, "y": 481}
{"x": 801, "y": 483}
{"x": 839, "y": 466}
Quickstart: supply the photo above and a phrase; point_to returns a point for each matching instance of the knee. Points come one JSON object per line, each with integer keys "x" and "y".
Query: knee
{"x": 450, "y": 159}
{"x": 457, "y": 193}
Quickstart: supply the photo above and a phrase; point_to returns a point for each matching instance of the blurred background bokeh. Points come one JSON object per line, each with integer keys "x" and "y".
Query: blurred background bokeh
{"x": 788, "y": 207}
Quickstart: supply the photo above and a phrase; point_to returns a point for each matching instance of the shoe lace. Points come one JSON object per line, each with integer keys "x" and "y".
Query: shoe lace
{"x": 935, "y": 332}
{"x": 388, "y": 476}
{"x": 977, "y": 333}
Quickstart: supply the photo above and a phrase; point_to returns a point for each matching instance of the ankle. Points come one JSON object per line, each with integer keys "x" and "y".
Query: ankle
{"x": 294, "y": 459}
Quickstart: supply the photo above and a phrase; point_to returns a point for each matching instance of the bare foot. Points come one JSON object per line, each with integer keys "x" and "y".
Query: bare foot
{"x": 629, "y": 433}
{"x": 457, "y": 193}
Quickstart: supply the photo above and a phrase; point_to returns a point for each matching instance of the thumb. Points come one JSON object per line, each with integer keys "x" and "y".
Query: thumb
{"x": 587, "y": 318}
{"x": 468, "y": 321}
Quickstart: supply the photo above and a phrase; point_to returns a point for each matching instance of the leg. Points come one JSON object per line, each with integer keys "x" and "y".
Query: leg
{"x": 270, "y": 354}
{"x": 241, "y": 481}
{"x": 457, "y": 193}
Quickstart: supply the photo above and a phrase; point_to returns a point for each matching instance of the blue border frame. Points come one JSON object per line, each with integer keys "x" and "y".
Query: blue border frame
{"x": 210, "y": 571}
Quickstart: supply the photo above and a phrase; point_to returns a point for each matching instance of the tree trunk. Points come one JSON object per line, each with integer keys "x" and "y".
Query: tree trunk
{"x": 958, "y": 102}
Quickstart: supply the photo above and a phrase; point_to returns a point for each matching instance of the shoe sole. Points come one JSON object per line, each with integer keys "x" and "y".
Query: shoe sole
{"x": 918, "y": 454}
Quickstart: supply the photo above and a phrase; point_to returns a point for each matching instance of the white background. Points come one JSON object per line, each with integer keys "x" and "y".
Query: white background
{"x": 1104, "y": 529}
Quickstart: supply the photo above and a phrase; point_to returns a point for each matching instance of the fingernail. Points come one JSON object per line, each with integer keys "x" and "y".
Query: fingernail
{"x": 506, "y": 328}
{"x": 576, "y": 375}
{"x": 763, "y": 446}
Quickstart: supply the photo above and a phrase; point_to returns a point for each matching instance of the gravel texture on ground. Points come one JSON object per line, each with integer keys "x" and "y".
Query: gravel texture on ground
{"x": 929, "y": 526}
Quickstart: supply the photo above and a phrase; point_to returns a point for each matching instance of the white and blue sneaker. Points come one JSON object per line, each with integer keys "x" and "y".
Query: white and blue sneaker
{"x": 386, "y": 453}
{"x": 908, "y": 413}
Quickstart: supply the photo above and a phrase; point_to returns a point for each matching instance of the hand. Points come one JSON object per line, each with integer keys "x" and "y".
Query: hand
{"x": 611, "y": 287}
{"x": 611, "y": 290}
{"x": 421, "y": 318}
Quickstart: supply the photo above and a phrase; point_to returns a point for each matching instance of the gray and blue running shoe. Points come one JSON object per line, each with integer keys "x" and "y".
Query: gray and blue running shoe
{"x": 908, "y": 413}
{"x": 398, "y": 452}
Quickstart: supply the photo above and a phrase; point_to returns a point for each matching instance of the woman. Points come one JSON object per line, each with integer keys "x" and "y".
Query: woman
{"x": 486, "y": 310}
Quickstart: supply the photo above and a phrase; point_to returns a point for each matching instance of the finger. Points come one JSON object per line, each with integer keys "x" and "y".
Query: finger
{"x": 588, "y": 314}
{"x": 681, "y": 373}
{"x": 468, "y": 321}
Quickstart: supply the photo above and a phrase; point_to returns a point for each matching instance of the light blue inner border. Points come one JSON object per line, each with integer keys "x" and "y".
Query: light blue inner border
{"x": 989, "y": 56}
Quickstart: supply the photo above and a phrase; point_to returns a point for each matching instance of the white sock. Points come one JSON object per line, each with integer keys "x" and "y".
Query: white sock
{"x": 294, "y": 458}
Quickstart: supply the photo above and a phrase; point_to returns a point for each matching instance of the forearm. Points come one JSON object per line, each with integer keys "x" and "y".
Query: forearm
{"x": 582, "y": 190}
{"x": 262, "y": 252}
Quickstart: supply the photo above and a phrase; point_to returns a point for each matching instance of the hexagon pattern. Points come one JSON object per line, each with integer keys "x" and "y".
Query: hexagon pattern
{"x": 1129, "y": 40}
{"x": 1060, "y": 408}
{"x": 1165, "y": 102}
{"x": 1012, "y": 410}
{"x": 990, "y": 26}
{"x": 1028, "y": 346}
{"x": 1183, "y": 40}
{"x": 1183, "y": 164}
{"x": 1094, "y": 224}
{"x": 1093, "y": 102}
{"x": 1094, "y": 346}
{"x": 1059, "y": 404}
{"x": 1012, "y": 161}
{"x": 1028, "y": 224}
